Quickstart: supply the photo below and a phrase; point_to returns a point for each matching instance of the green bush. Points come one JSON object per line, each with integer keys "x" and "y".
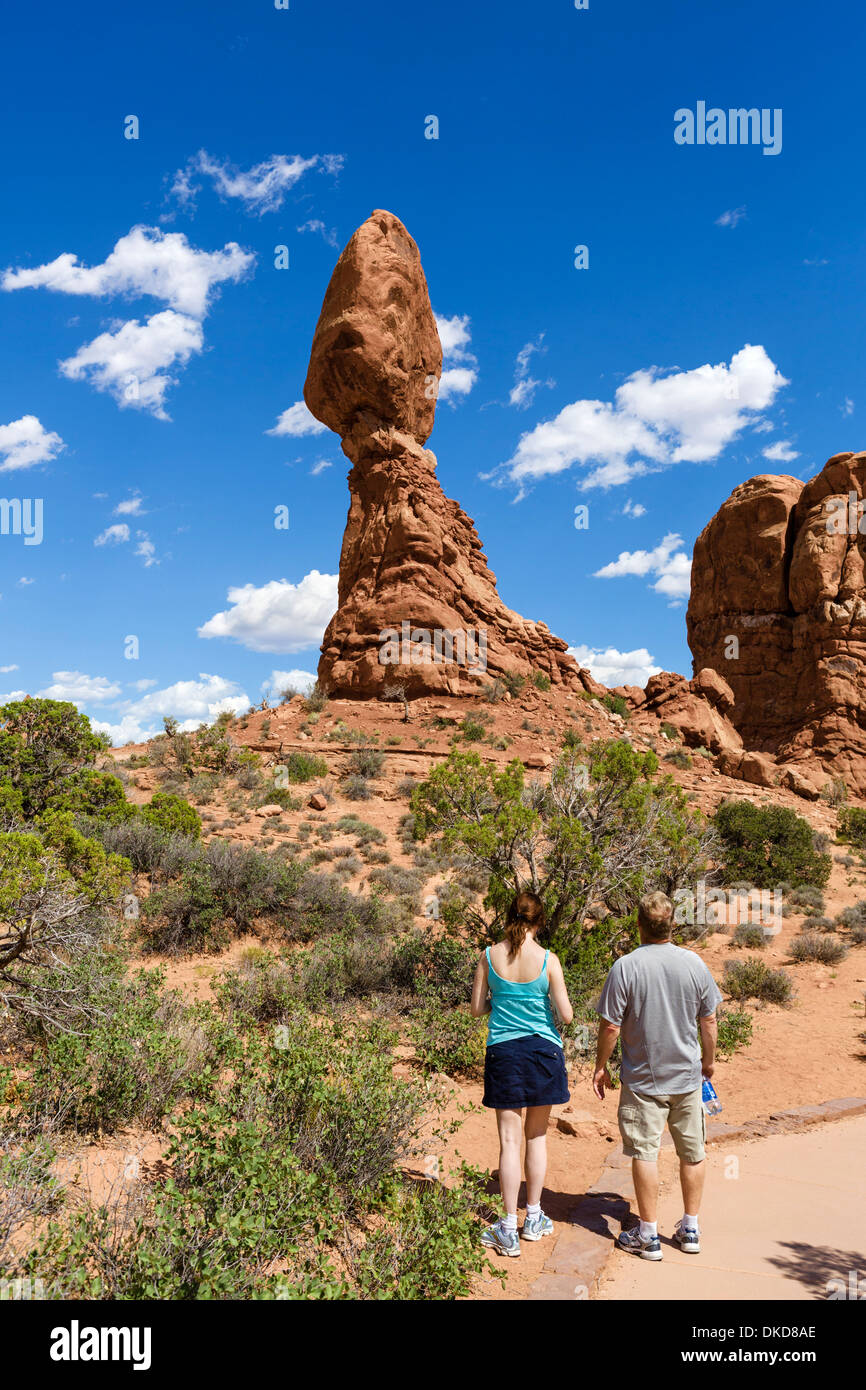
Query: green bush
{"x": 852, "y": 826}
{"x": 751, "y": 936}
{"x": 735, "y": 1030}
{"x": 304, "y": 767}
{"x": 439, "y": 967}
{"x": 812, "y": 945}
{"x": 448, "y": 1040}
{"x": 145, "y": 1051}
{"x": 44, "y": 747}
{"x": 753, "y": 979}
{"x": 541, "y": 680}
{"x": 617, "y": 704}
{"x": 769, "y": 844}
{"x": 472, "y": 729}
{"x": 172, "y": 814}
{"x": 365, "y": 762}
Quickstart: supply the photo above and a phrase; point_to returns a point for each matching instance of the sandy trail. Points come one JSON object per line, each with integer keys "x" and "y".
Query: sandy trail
{"x": 783, "y": 1218}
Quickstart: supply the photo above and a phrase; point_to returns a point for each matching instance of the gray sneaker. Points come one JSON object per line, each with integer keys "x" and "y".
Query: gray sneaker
{"x": 688, "y": 1240}
{"x": 646, "y": 1249}
{"x": 534, "y": 1227}
{"x": 496, "y": 1236}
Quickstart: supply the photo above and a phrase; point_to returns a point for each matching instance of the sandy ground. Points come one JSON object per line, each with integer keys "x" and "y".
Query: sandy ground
{"x": 783, "y": 1218}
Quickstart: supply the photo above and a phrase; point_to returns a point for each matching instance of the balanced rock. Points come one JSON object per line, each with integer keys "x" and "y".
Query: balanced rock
{"x": 778, "y": 610}
{"x": 417, "y": 602}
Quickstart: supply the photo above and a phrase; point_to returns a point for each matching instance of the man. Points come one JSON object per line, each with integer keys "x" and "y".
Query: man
{"x": 655, "y": 999}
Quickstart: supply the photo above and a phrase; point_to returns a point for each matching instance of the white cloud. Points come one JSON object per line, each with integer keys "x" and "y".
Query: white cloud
{"x": 191, "y": 702}
{"x": 817, "y": 261}
{"x": 4, "y": 670}
{"x": 23, "y": 582}
{"x": 668, "y": 562}
{"x": 316, "y": 225}
{"x": 460, "y": 367}
{"x": 261, "y": 189}
{"x": 612, "y": 667}
{"x": 731, "y": 217}
{"x": 655, "y": 421}
{"x": 133, "y": 362}
{"x": 297, "y": 421}
{"x": 12, "y": 695}
{"x": 146, "y": 261}
{"x": 525, "y": 385}
{"x": 79, "y": 689}
{"x": 781, "y": 452}
{"x": 113, "y": 535}
{"x": 634, "y": 509}
{"x": 277, "y": 616}
{"x": 26, "y": 442}
{"x": 130, "y": 507}
{"x": 146, "y": 549}
{"x": 143, "y": 684}
{"x": 319, "y": 467}
{"x": 278, "y": 681}
{"x": 848, "y": 407}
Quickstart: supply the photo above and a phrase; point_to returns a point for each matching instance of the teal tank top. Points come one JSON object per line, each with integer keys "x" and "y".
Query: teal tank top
{"x": 519, "y": 1010}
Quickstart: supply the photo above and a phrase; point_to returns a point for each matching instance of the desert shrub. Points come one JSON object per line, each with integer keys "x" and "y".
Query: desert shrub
{"x": 263, "y": 987}
{"x": 858, "y": 936}
{"x": 854, "y": 916}
{"x": 617, "y": 704}
{"x": 679, "y": 759}
{"x": 735, "y": 1030}
{"x": 316, "y": 699}
{"x": 344, "y": 966}
{"x": 365, "y": 834}
{"x": 149, "y": 849}
{"x": 365, "y": 762}
{"x": 472, "y": 729}
{"x": 812, "y": 945}
{"x": 601, "y": 828}
{"x": 172, "y": 814}
{"x": 751, "y": 936}
{"x": 808, "y": 898}
{"x": 753, "y": 979}
{"x": 671, "y": 731}
{"x": 30, "y": 1192}
{"x": 540, "y": 680}
{"x": 852, "y": 826}
{"x": 347, "y": 865}
{"x": 494, "y": 692}
{"x": 202, "y": 787}
{"x": 186, "y": 915}
{"x": 92, "y": 793}
{"x": 249, "y": 778}
{"x": 406, "y": 786}
{"x": 145, "y": 1050}
{"x": 512, "y": 682}
{"x": 356, "y": 788}
{"x": 303, "y": 767}
{"x": 52, "y": 912}
{"x": 375, "y": 856}
{"x": 440, "y": 968}
{"x": 44, "y": 747}
{"x": 768, "y": 844}
{"x": 835, "y": 792}
{"x": 448, "y": 1040}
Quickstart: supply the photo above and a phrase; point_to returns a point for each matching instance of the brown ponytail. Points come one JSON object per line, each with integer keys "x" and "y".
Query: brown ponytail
{"x": 525, "y": 913}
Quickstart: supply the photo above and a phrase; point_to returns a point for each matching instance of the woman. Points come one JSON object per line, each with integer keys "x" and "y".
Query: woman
{"x": 524, "y": 1067}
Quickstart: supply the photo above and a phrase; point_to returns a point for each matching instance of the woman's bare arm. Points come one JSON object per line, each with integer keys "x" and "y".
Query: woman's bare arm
{"x": 480, "y": 1003}
{"x": 558, "y": 992}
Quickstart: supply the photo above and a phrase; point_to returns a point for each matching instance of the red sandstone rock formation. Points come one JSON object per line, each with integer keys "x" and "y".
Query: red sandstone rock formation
{"x": 411, "y": 566}
{"x": 778, "y": 609}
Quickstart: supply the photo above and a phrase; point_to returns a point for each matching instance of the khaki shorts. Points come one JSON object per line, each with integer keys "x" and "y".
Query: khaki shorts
{"x": 642, "y": 1121}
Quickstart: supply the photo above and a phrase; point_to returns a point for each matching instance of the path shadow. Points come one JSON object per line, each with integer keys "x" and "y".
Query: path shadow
{"x": 559, "y": 1206}
{"x": 825, "y": 1272}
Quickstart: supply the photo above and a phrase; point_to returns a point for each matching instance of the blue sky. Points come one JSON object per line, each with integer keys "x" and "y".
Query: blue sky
{"x": 143, "y": 372}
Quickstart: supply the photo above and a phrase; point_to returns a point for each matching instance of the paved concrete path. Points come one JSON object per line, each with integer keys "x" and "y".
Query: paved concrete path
{"x": 783, "y": 1216}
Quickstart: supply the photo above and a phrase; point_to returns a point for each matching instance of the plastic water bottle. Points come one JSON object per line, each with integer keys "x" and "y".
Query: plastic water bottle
{"x": 712, "y": 1104}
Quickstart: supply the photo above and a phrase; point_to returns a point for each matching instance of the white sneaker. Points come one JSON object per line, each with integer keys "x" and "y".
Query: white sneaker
{"x": 688, "y": 1240}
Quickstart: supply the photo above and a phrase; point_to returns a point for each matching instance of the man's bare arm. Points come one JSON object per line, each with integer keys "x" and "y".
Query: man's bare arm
{"x": 709, "y": 1037}
{"x": 607, "y": 1036}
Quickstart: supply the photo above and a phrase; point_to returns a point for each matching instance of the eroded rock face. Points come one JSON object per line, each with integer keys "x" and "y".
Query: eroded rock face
{"x": 778, "y": 609}
{"x": 418, "y": 605}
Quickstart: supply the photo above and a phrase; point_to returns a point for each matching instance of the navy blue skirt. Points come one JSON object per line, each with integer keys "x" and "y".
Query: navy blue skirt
{"x": 524, "y": 1071}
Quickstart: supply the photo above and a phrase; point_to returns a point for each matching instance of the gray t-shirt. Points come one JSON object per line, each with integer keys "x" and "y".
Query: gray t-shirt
{"x": 656, "y": 995}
